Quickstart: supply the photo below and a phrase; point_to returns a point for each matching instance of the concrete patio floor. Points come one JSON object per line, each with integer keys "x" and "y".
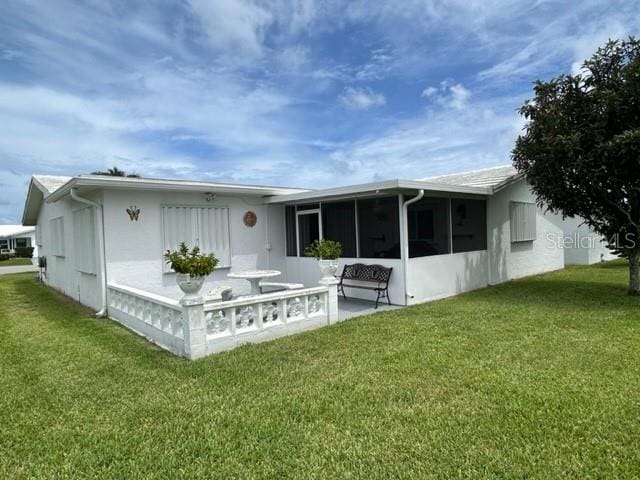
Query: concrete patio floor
{"x": 354, "y": 307}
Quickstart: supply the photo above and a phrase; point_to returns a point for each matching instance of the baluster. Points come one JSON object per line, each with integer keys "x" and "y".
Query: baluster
{"x": 282, "y": 310}
{"x": 258, "y": 320}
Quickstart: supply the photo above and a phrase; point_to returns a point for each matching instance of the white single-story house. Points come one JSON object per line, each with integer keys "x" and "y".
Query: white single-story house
{"x": 12, "y": 236}
{"x": 444, "y": 235}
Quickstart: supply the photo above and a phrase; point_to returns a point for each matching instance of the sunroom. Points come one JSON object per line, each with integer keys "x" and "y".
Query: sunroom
{"x": 428, "y": 234}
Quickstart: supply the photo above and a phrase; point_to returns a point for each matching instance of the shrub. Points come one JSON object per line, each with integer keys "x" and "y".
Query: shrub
{"x": 324, "y": 250}
{"x": 4, "y": 256}
{"x": 191, "y": 262}
{"x": 24, "y": 252}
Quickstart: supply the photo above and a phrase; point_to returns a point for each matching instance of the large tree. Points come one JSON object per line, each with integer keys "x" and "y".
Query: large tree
{"x": 580, "y": 149}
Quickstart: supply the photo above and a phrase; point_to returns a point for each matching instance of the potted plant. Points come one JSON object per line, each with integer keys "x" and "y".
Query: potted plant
{"x": 191, "y": 267}
{"x": 327, "y": 252}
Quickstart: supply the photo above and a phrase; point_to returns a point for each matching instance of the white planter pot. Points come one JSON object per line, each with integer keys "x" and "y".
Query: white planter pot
{"x": 328, "y": 268}
{"x": 190, "y": 285}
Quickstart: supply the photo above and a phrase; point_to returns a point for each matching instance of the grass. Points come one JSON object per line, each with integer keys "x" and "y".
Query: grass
{"x": 538, "y": 378}
{"x": 13, "y": 262}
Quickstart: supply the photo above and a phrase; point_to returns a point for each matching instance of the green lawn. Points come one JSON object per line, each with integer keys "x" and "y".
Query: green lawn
{"x": 12, "y": 262}
{"x": 538, "y": 378}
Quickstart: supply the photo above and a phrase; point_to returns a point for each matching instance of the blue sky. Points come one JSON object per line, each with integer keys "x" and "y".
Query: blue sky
{"x": 298, "y": 93}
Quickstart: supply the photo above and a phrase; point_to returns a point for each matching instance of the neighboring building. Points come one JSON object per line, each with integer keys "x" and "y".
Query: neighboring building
{"x": 12, "y": 236}
{"x": 442, "y": 236}
{"x": 582, "y": 246}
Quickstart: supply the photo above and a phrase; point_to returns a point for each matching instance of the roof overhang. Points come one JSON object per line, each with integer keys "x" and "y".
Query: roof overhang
{"x": 104, "y": 182}
{"x": 387, "y": 186}
{"x": 35, "y": 196}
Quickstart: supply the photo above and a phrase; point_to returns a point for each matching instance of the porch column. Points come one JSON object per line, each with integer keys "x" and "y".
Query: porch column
{"x": 332, "y": 298}
{"x": 194, "y": 328}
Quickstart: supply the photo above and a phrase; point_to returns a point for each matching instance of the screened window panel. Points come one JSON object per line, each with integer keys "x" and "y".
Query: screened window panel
{"x": 339, "y": 224}
{"x": 523, "y": 222}
{"x": 56, "y": 227}
{"x": 290, "y": 225}
{"x": 379, "y": 227}
{"x": 4, "y": 244}
{"x": 468, "y": 225}
{"x": 428, "y": 222}
{"x": 205, "y": 227}
{"x": 84, "y": 239}
{"x": 308, "y": 230}
{"x": 23, "y": 242}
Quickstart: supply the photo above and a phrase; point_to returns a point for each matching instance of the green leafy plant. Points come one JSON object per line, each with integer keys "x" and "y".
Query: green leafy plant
{"x": 24, "y": 252}
{"x": 324, "y": 250}
{"x": 192, "y": 262}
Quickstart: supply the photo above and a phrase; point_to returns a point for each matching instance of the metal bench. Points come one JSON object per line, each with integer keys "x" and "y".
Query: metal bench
{"x": 376, "y": 278}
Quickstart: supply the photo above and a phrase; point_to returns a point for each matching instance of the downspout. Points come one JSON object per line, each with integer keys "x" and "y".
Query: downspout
{"x": 405, "y": 256}
{"x": 101, "y": 249}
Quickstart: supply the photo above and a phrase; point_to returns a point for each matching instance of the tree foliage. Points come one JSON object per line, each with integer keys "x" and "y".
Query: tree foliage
{"x": 580, "y": 149}
{"x": 115, "y": 172}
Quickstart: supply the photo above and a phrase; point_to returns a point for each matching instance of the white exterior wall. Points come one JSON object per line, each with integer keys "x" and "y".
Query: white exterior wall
{"x": 134, "y": 249}
{"x": 582, "y": 246}
{"x": 508, "y": 260}
{"x": 61, "y": 272}
{"x": 439, "y": 276}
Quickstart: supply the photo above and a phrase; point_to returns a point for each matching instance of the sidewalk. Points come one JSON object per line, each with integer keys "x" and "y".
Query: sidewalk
{"x": 18, "y": 269}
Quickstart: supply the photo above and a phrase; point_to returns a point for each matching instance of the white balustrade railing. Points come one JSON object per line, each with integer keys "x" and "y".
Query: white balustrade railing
{"x": 155, "y": 317}
{"x": 195, "y": 329}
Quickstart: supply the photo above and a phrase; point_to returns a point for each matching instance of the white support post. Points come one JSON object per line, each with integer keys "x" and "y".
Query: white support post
{"x": 332, "y": 299}
{"x": 194, "y": 328}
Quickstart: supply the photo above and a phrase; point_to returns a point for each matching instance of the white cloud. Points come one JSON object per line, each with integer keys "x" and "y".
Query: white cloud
{"x": 459, "y": 96}
{"x": 448, "y": 94}
{"x": 482, "y": 134}
{"x": 361, "y": 98}
{"x": 429, "y": 92}
{"x": 235, "y": 28}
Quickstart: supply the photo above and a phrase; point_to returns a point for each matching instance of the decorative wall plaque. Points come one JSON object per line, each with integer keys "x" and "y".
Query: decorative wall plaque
{"x": 134, "y": 213}
{"x": 250, "y": 219}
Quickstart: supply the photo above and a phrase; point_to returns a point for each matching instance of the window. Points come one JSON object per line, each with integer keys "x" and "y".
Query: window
{"x": 523, "y": 221}
{"x": 56, "y": 225}
{"x": 468, "y": 225}
{"x": 84, "y": 240}
{"x": 379, "y": 227}
{"x": 205, "y": 227}
{"x": 428, "y": 222}
{"x": 23, "y": 242}
{"x": 308, "y": 229}
{"x": 290, "y": 221}
{"x": 339, "y": 224}
{"x": 4, "y": 244}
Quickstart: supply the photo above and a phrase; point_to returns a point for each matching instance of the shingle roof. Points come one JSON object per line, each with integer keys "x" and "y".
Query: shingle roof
{"x": 487, "y": 177}
{"x": 51, "y": 182}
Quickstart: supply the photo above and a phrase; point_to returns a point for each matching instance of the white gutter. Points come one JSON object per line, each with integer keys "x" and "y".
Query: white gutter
{"x": 101, "y": 248}
{"x": 405, "y": 246}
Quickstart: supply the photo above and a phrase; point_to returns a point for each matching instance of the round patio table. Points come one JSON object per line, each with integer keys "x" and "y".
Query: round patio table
{"x": 254, "y": 277}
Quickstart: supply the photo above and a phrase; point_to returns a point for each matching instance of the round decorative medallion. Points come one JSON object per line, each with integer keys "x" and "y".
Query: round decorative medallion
{"x": 250, "y": 219}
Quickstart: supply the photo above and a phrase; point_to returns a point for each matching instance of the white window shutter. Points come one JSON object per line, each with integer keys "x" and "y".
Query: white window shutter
{"x": 84, "y": 232}
{"x": 523, "y": 222}
{"x": 206, "y": 227}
